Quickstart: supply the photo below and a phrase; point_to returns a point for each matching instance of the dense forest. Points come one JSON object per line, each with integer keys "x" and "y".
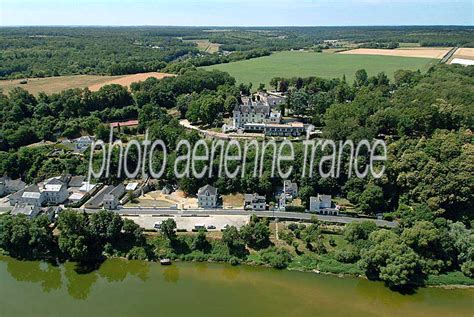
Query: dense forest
{"x": 54, "y": 51}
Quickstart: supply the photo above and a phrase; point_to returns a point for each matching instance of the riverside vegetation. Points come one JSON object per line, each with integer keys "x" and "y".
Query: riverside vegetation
{"x": 412, "y": 255}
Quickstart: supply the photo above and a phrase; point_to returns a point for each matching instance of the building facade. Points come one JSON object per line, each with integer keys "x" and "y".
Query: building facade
{"x": 110, "y": 202}
{"x": 207, "y": 197}
{"x": 322, "y": 204}
{"x": 255, "y": 202}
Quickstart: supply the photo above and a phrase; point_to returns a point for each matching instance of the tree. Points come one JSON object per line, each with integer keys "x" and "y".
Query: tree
{"x": 372, "y": 200}
{"x": 41, "y": 236}
{"x": 105, "y": 226}
{"x": 391, "y": 260}
{"x": 256, "y": 234}
{"x": 230, "y": 104}
{"x": 200, "y": 242}
{"x": 359, "y": 230}
{"x": 102, "y": 133}
{"x": 74, "y": 238}
{"x": 168, "y": 228}
{"x": 132, "y": 231}
{"x": 360, "y": 78}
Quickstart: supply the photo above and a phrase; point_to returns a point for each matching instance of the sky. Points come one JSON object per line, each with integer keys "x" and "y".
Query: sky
{"x": 236, "y": 12}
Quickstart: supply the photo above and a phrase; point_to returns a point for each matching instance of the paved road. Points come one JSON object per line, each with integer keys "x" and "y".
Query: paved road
{"x": 241, "y": 212}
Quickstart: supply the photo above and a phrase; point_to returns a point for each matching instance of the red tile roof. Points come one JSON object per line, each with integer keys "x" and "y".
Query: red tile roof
{"x": 124, "y": 123}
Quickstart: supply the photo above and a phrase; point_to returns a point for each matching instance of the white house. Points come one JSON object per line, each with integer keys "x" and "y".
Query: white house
{"x": 55, "y": 191}
{"x": 207, "y": 197}
{"x": 110, "y": 202}
{"x": 252, "y": 112}
{"x": 322, "y": 205}
{"x": 31, "y": 195}
{"x": 255, "y": 202}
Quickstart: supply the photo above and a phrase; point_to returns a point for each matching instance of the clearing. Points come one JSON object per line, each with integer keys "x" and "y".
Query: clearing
{"x": 159, "y": 200}
{"x": 326, "y": 65}
{"x": 51, "y": 85}
{"x": 422, "y": 52}
{"x": 206, "y": 46}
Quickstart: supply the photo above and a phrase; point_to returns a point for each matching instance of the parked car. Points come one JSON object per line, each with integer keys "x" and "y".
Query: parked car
{"x": 157, "y": 226}
{"x": 211, "y": 227}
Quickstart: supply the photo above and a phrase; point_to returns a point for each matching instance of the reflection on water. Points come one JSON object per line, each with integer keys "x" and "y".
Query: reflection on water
{"x": 45, "y": 274}
{"x": 79, "y": 279}
{"x": 171, "y": 274}
{"x": 230, "y": 272}
{"x": 135, "y": 288}
{"x": 116, "y": 270}
{"x": 78, "y": 285}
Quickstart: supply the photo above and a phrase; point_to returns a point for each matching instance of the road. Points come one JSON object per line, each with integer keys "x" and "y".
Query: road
{"x": 241, "y": 212}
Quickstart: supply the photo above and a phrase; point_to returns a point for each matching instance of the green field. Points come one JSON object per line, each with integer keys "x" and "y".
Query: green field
{"x": 304, "y": 64}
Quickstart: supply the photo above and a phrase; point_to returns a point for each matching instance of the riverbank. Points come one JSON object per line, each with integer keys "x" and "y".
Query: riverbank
{"x": 359, "y": 249}
{"x": 207, "y": 289}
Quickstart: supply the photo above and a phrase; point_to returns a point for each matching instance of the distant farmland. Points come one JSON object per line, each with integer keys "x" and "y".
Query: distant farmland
{"x": 51, "y": 85}
{"x": 327, "y": 65}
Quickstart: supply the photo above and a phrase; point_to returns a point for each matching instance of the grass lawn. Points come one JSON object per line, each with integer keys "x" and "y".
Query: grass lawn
{"x": 304, "y": 64}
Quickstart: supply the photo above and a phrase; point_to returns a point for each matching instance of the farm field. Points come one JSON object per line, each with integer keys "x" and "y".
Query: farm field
{"x": 56, "y": 84}
{"x": 304, "y": 64}
{"x": 467, "y": 53}
{"x": 423, "y": 52}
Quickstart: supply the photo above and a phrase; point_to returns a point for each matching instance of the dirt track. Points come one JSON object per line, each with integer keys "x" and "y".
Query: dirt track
{"x": 411, "y": 52}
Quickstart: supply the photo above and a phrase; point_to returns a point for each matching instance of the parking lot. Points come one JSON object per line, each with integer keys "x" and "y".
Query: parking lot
{"x": 189, "y": 222}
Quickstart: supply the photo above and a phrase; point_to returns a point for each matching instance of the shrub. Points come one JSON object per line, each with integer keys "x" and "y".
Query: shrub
{"x": 234, "y": 260}
{"x": 467, "y": 268}
{"x": 293, "y": 226}
{"x": 276, "y": 257}
{"x": 347, "y": 255}
{"x": 137, "y": 253}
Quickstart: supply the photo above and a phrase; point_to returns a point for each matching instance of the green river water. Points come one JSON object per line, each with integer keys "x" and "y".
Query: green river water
{"x": 136, "y": 288}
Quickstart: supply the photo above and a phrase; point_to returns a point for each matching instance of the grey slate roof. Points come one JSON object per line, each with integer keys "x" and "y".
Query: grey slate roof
{"x": 76, "y": 181}
{"x": 208, "y": 188}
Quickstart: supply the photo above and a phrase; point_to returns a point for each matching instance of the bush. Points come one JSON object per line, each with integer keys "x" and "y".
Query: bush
{"x": 292, "y": 208}
{"x": 234, "y": 260}
{"x": 468, "y": 268}
{"x": 276, "y": 257}
{"x": 293, "y": 226}
{"x": 137, "y": 253}
{"x": 347, "y": 255}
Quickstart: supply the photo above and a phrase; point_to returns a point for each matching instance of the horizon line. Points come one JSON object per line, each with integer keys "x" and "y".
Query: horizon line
{"x": 235, "y": 26}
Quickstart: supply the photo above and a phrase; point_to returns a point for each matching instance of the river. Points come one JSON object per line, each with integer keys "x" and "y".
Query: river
{"x": 137, "y": 288}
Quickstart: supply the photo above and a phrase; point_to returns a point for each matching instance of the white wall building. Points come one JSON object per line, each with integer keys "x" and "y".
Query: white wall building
{"x": 31, "y": 195}
{"x": 55, "y": 191}
{"x": 207, "y": 197}
{"x": 322, "y": 205}
{"x": 254, "y": 202}
{"x": 110, "y": 202}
